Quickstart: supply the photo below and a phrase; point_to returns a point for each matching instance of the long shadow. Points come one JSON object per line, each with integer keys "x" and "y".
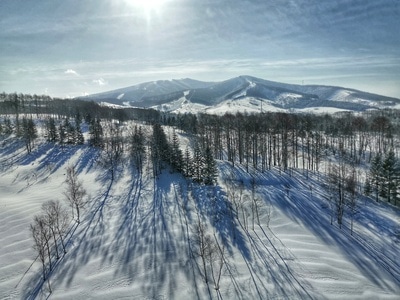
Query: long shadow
{"x": 87, "y": 161}
{"x": 56, "y": 156}
{"x": 304, "y": 205}
{"x": 88, "y": 238}
{"x": 125, "y": 242}
{"x": 146, "y": 237}
{"x": 36, "y": 286}
{"x": 11, "y": 152}
{"x": 213, "y": 203}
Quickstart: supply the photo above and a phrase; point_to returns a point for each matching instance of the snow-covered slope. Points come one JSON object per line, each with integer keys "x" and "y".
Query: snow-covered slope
{"x": 195, "y": 96}
{"x": 136, "y": 237}
{"x": 149, "y": 93}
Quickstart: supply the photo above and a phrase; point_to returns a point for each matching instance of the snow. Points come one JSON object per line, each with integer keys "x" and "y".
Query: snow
{"x": 132, "y": 242}
{"x": 243, "y": 105}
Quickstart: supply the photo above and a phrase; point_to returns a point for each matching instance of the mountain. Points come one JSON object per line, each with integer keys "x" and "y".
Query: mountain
{"x": 243, "y": 93}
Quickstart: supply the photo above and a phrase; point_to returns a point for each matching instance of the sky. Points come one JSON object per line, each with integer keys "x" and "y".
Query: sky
{"x": 70, "y": 48}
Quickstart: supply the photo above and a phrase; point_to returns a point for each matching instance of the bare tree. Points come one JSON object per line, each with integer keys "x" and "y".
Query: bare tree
{"x": 351, "y": 189}
{"x": 74, "y": 193}
{"x": 201, "y": 243}
{"x": 42, "y": 235}
{"x": 57, "y": 218}
{"x": 217, "y": 261}
{"x": 49, "y": 219}
{"x": 337, "y": 182}
{"x": 38, "y": 229}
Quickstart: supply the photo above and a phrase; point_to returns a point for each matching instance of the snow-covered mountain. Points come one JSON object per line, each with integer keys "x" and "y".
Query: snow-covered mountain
{"x": 243, "y": 93}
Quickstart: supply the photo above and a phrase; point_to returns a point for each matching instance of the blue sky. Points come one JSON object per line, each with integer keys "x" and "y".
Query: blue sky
{"x": 72, "y": 47}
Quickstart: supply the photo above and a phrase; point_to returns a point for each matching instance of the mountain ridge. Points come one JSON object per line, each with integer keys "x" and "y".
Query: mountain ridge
{"x": 244, "y": 92}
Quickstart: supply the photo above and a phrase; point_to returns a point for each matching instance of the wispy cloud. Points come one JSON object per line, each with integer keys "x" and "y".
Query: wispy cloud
{"x": 72, "y": 72}
{"x": 100, "y": 81}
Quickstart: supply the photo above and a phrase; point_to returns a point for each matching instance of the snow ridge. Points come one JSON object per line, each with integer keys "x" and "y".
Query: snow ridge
{"x": 187, "y": 95}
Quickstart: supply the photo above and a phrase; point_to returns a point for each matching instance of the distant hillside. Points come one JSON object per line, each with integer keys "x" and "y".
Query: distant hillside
{"x": 243, "y": 93}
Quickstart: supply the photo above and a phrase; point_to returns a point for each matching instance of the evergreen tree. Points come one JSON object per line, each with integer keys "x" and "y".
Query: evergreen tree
{"x": 96, "y": 133}
{"x": 176, "y": 154}
{"x": 210, "y": 167}
{"x": 187, "y": 164}
{"x": 198, "y": 164}
{"x": 367, "y": 187}
{"x": 376, "y": 175}
{"x": 389, "y": 188}
{"x": 8, "y": 127}
{"x": 70, "y": 132}
{"x": 51, "y": 131}
{"x": 79, "y": 139}
{"x": 61, "y": 134}
{"x": 138, "y": 147}
{"x": 160, "y": 150}
{"x": 29, "y": 133}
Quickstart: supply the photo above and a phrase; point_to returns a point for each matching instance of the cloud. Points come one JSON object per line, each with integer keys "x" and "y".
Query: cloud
{"x": 100, "y": 81}
{"x": 72, "y": 72}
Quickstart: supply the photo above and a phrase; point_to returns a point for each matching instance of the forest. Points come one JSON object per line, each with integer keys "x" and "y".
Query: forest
{"x": 352, "y": 154}
{"x": 346, "y": 141}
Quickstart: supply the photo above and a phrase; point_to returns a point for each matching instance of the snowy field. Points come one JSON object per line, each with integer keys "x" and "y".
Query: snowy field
{"x": 135, "y": 240}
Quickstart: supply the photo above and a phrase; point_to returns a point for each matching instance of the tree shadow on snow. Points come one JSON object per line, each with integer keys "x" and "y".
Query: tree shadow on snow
{"x": 301, "y": 200}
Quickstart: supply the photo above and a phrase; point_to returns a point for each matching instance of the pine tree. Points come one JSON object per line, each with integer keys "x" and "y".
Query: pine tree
{"x": 96, "y": 133}
{"x": 61, "y": 134}
{"x": 376, "y": 175}
{"x": 79, "y": 139}
{"x": 367, "y": 187}
{"x": 198, "y": 164}
{"x": 29, "y": 133}
{"x": 138, "y": 150}
{"x": 51, "y": 130}
{"x": 389, "y": 176}
{"x": 187, "y": 164}
{"x": 210, "y": 167}
{"x": 8, "y": 128}
{"x": 160, "y": 149}
{"x": 70, "y": 134}
{"x": 176, "y": 154}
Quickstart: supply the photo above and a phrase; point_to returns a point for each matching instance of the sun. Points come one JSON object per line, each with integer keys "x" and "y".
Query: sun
{"x": 149, "y": 6}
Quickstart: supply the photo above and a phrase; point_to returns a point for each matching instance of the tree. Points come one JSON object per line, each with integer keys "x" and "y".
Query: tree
{"x": 388, "y": 185}
{"x": 367, "y": 187}
{"x": 176, "y": 153}
{"x": 79, "y": 139}
{"x": 51, "y": 131}
{"x": 40, "y": 234}
{"x": 74, "y": 192}
{"x": 113, "y": 150}
{"x": 137, "y": 147}
{"x": 57, "y": 220}
{"x": 62, "y": 134}
{"x": 160, "y": 149}
{"x": 187, "y": 164}
{"x": 375, "y": 173}
{"x": 70, "y": 132}
{"x": 197, "y": 164}
{"x": 210, "y": 167}
{"x": 351, "y": 190}
{"x": 29, "y": 133}
{"x": 96, "y": 133}
{"x": 336, "y": 177}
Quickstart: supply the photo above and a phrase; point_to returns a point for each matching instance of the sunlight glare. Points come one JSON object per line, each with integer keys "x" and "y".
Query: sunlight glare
{"x": 149, "y": 6}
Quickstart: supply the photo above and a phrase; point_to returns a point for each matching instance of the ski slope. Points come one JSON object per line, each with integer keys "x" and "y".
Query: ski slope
{"x": 135, "y": 240}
